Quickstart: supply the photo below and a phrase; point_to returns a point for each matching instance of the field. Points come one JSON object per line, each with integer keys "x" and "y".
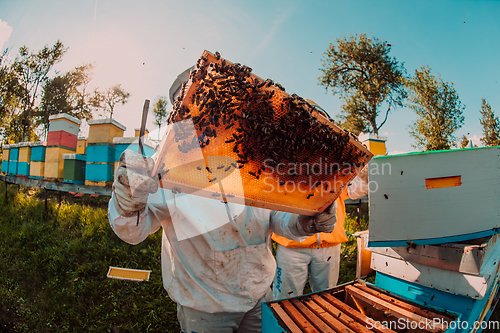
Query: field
{"x": 53, "y": 267}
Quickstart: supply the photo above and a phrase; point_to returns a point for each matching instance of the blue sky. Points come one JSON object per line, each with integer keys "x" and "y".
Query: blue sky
{"x": 144, "y": 45}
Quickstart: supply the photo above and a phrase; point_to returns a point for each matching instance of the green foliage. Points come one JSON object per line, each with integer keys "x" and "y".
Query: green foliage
{"x": 31, "y": 71}
{"x": 439, "y": 111}
{"x": 491, "y": 125}
{"x": 106, "y": 101}
{"x": 53, "y": 268}
{"x": 160, "y": 112}
{"x": 464, "y": 142}
{"x": 360, "y": 69}
{"x": 66, "y": 94}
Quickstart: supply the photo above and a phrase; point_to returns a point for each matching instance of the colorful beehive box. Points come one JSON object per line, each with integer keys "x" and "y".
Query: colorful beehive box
{"x": 13, "y": 159}
{"x": 74, "y": 168}
{"x": 37, "y": 169}
{"x": 132, "y": 143}
{"x": 62, "y": 138}
{"x": 64, "y": 122}
{"x": 23, "y": 164}
{"x": 81, "y": 145}
{"x": 419, "y": 197}
{"x": 137, "y": 132}
{"x": 99, "y": 174}
{"x": 354, "y": 307}
{"x": 5, "y": 158}
{"x": 54, "y": 163}
{"x": 38, "y": 151}
{"x": 100, "y": 153}
{"x": 103, "y": 131}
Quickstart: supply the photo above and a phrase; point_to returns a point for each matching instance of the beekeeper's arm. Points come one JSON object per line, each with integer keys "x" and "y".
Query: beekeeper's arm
{"x": 298, "y": 227}
{"x": 131, "y": 189}
{"x": 358, "y": 188}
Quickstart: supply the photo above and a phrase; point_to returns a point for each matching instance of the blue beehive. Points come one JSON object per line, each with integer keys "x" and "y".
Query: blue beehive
{"x": 132, "y": 143}
{"x": 98, "y": 172}
{"x": 100, "y": 153}
{"x": 13, "y": 159}
{"x": 38, "y": 151}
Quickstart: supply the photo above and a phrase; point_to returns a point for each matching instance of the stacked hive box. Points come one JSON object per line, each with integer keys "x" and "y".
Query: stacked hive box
{"x": 137, "y": 132}
{"x": 74, "y": 168}
{"x": 23, "y": 164}
{"x": 121, "y": 144}
{"x": 100, "y": 151}
{"x": 5, "y": 158}
{"x": 37, "y": 164}
{"x": 81, "y": 145}
{"x": 62, "y": 139}
{"x": 13, "y": 159}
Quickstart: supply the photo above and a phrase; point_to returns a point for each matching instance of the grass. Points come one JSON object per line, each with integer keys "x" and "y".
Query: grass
{"x": 53, "y": 268}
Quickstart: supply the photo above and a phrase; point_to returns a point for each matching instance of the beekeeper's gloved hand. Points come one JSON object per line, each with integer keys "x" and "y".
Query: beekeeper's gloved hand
{"x": 322, "y": 222}
{"x": 132, "y": 183}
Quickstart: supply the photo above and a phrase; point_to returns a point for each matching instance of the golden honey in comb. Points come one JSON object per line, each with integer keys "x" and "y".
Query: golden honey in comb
{"x": 233, "y": 134}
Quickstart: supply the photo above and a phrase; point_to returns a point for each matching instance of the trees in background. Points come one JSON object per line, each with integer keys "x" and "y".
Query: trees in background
{"x": 360, "y": 70}
{"x": 439, "y": 110}
{"x": 106, "y": 101}
{"x": 160, "y": 112}
{"x": 490, "y": 124}
{"x": 66, "y": 94}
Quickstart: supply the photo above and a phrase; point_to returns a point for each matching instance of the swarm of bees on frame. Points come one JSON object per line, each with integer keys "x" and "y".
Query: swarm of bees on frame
{"x": 228, "y": 97}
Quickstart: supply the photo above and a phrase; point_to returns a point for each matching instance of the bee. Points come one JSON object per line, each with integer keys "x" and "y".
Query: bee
{"x": 310, "y": 195}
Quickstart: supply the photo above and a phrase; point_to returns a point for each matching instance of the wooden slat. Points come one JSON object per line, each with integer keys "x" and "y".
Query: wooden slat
{"x": 315, "y": 320}
{"x": 53, "y": 186}
{"x": 330, "y": 320}
{"x": 299, "y": 319}
{"x": 339, "y": 315}
{"x": 410, "y": 307}
{"x": 290, "y": 324}
{"x": 364, "y": 320}
{"x": 391, "y": 309}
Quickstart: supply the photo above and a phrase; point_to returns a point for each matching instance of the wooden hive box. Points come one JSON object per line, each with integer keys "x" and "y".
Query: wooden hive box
{"x": 132, "y": 143}
{"x": 434, "y": 197}
{"x": 23, "y": 164}
{"x": 104, "y": 130}
{"x": 5, "y": 158}
{"x": 64, "y": 122}
{"x": 100, "y": 153}
{"x": 356, "y": 307}
{"x": 38, "y": 151}
{"x": 137, "y": 132}
{"x": 74, "y": 168}
{"x": 81, "y": 145}
{"x": 233, "y": 134}
{"x": 62, "y": 138}
{"x": 37, "y": 169}
{"x": 54, "y": 163}
{"x": 99, "y": 174}
{"x": 13, "y": 159}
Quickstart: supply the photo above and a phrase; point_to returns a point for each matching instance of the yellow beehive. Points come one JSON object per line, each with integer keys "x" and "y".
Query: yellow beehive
{"x": 81, "y": 145}
{"x": 104, "y": 130}
{"x": 54, "y": 154}
{"x": 5, "y": 154}
{"x": 24, "y": 152}
{"x": 138, "y": 132}
{"x": 37, "y": 169}
{"x": 375, "y": 143}
{"x": 54, "y": 171}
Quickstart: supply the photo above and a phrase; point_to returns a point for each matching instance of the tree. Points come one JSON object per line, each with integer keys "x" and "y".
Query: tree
{"x": 439, "y": 110}
{"x": 31, "y": 71}
{"x": 160, "y": 112}
{"x": 106, "y": 101}
{"x": 491, "y": 125}
{"x": 10, "y": 90}
{"x": 464, "y": 143}
{"x": 361, "y": 70}
{"x": 349, "y": 117}
{"x": 66, "y": 94}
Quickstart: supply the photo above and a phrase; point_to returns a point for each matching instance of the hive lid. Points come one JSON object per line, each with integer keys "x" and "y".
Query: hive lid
{"x": 133, "y": 140}
{"x": 38, "y": 143}
{"x": 236, "y": 135}
{"x": 66, "y": 116}
{"x": 78, "y": 157}
{"x": 106, "y": 121}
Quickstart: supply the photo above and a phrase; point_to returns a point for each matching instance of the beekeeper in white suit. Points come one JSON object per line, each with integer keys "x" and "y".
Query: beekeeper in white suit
{"x": 216, "y": 260}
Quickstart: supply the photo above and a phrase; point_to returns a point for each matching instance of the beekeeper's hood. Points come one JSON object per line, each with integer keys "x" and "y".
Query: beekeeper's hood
{"x": 174, "y": 90}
